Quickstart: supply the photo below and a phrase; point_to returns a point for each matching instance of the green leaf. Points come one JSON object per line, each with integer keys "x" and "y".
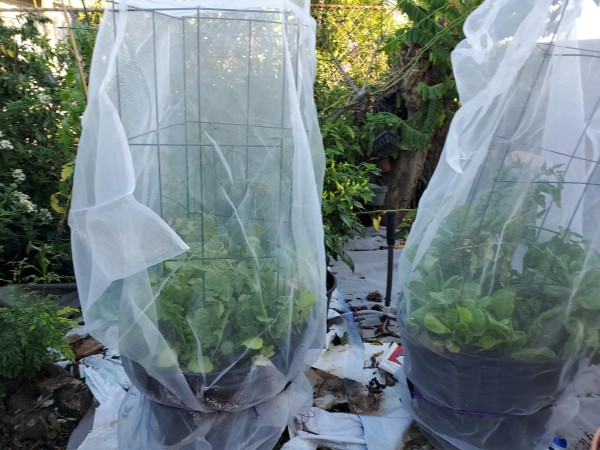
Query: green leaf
{"x": 253, "y": 343}
{"x": 419, "y": 290}
{"x": 503, "y": 304}
{"x": 487, "y": 342}
{"x": 306, "y": 299}
{"x": 452, "y": 347}
{"x": 205, "y": 367}
{"x": 267, "y": 351}
{"x": 226, "y": 347}
{"x": 463, "y": 334}
{"x": 471, "y": 291}
{"x": 534, "y": 353}
{"x": 264, "y": 319}
{"x": 166, "y": 358}
{"x": 465, "y": 316}
{"x": 496, "y": 326}
{"x": 435, "y": 325}
{"x": 478, "y": 326}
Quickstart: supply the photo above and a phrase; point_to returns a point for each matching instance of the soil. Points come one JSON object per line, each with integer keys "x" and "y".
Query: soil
{"x": 41, "y": 413}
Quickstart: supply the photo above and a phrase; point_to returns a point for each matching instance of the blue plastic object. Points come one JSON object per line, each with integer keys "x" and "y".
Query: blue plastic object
{"x": 558, "y": 443}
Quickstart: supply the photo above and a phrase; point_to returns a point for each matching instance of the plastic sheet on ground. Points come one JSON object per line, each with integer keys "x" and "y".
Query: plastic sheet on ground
{"x": 102, "y": 375}
{"x": 354, "y": 360}
{"x": 103, "y": 435}
{"x": 351, "y": 431}
{"x": 345, "y": 361}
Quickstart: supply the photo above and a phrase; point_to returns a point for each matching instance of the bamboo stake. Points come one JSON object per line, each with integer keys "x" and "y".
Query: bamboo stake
{"x": 75, "y": 51}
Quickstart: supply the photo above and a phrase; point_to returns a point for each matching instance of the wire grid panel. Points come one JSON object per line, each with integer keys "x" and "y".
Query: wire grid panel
{"x": 206, "y": 152}
{"x": 569, "y": 149}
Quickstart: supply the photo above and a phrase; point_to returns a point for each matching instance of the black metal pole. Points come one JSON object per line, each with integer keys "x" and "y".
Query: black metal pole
{"x": 390, "y": 238}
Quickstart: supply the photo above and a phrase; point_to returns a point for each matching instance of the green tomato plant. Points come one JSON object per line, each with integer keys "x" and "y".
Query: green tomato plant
{"x": 488, "y": 283}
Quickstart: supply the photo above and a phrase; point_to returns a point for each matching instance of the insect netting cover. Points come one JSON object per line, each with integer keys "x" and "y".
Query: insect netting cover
{"x": 501, "y": 272}
{"x": 196, "y": 226}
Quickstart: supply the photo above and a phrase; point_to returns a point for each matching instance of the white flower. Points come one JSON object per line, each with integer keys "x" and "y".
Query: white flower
{"x": 44, "y": 98}
{"x": 6, "y": 145}
{"x": 18, "y": 175}
{"x": 1, "y": 134}
{"x": 25, "y": 201}
{"x": 45, "y": 215}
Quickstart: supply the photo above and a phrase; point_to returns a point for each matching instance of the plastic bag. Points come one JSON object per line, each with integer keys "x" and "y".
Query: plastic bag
{"x": 501, "y": 270}
{"x": 196, "y": 227}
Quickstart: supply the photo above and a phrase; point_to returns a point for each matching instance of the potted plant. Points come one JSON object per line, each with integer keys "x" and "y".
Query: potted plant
{"x": 227, "y": 307}
{"x": 504, "y": 307}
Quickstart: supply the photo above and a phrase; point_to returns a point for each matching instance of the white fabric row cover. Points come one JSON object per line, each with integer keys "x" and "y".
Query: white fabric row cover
{"x": 196, "y": 227}
{"x": 500, "y": 277}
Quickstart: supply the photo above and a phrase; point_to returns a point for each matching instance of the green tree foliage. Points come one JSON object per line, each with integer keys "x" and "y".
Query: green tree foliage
{"x": 412, "y": 94}
{"x": 350, "y": 34}
{"x": 420, "y": 53}
{"x": 420, "y": 89}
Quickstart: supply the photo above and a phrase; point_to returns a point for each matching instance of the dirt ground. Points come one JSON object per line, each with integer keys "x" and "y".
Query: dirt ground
{"x": 41, "y": 414}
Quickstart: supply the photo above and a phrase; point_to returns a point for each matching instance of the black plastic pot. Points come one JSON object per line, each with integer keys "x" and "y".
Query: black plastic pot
{"x": 379, "y": 198}
{"x": 488, "y": 401}
{"x": 220, "y": 394}
{"x": 233, "y": 392}
{"x": 483, "y": 430}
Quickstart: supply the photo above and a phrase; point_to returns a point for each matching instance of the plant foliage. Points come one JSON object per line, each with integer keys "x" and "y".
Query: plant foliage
{"x": 32, "y": 333}
{"x": 41, "y": 102}
{"x": 422, "y": 70}
{"x": 347, "y": 188}
{"x": 226, "y": 297}
{"x": 469, "y": 296}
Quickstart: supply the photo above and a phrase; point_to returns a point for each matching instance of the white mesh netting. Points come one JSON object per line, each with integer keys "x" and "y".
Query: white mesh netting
{"x": 196, "y": 227}
{"x": 501, "y": 272}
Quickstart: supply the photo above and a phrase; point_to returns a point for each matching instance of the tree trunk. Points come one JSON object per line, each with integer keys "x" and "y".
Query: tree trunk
{"x": 403, "y": 179}
{"x": 411, "y": 172}
{"x": 406, "y": 169}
